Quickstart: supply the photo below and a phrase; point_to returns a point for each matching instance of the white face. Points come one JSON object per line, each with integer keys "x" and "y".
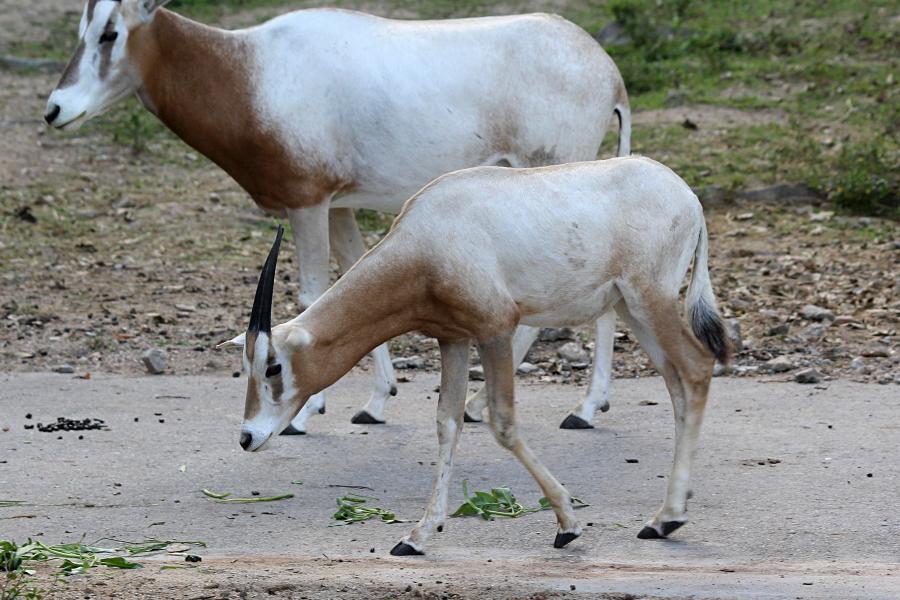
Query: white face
{"x": 99, "y": 74}
{"x": 272, "y": 395}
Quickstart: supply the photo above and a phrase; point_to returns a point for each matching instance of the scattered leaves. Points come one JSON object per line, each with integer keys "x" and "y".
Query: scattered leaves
{"x": 351, "y": 509}
{"x": 225, "y": 497}
{"x": 500, "y": 502}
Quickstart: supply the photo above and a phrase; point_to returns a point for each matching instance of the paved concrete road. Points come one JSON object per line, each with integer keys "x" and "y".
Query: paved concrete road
{"x": 797, "y": 489}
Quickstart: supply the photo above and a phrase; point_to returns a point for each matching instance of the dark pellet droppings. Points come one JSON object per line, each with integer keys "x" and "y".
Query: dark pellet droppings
{"x": 192, "y": 558}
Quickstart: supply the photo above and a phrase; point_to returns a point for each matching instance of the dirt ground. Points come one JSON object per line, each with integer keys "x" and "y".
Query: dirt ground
{"x": 106, "y": 254}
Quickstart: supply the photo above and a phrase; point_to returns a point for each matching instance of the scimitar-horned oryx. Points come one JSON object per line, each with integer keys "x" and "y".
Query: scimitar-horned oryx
{"x": 318, "y": 112}
{"x": 548, "y": 246}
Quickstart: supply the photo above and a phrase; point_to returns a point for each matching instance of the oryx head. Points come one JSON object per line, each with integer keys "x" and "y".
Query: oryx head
{"x": 273, "y": 393}
{"x": 100, "y": 72}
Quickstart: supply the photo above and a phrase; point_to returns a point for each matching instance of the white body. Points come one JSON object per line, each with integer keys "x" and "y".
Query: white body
{"x": 321, "y": 111}
{"x": 480, "y": 251}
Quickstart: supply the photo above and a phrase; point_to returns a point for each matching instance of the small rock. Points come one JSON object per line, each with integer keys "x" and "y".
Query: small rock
{"x": 813, "y": 332}
{"x": 733, "y": 329}
{"x": 409, "y": 362}
{"x": 552, "y": 334}
{"x": 780, "y": 364}
{"x": 818, "y": 217}
{"x": 185, "y": 307}
{"x": 747, "y": 216}
{"x": 811, "y": 312}
{"x": 845, "y": 320}
{"x": 875, "y": 352}
{"x": 858, "y": 364}
{"x": 808, "y": 376}
{"x": 63, "y": 369}
{"x": 154, "y": 360}
{"x": 573, "y": 352}
{"x": 719, "y": 370}
{"x": 780, "y": 329}
{"x": 476, "y": 373}
{"x": 526, "y": 367}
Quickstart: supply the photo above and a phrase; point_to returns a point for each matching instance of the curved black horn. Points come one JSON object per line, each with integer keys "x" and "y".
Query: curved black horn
{"x": 261, "y": 315}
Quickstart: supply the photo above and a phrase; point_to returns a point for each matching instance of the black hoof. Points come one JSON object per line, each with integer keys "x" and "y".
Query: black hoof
{"x": 404, "y": 549}
{"x": 650, "y": 533}
{"x": 573, "y": 422}
{"x": 364, "y": 418}
{"x": 467, "y": 418}
{"x": 291, "y": 430}
{"x": 605, "y": 407}
{"x": 563, "y": 538}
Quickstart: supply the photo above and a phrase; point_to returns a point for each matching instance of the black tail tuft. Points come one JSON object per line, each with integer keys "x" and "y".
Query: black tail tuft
{"x": 710, "y": 330}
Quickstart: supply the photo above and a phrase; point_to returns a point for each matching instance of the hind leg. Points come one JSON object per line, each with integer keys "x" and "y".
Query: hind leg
{"x": 687, "y": 369}
{"x": 522, "y": 341}
{"x": 497, "y": 358}
{"x": 598, "y": 394}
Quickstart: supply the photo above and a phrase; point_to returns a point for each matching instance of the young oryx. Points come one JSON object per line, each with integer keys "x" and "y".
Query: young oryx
{"x": 318, "y": 112}
{"x": 474, "y": 254}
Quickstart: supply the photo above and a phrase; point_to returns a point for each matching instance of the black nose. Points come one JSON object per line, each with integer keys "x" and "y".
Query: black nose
{"x": 246, "y": 438}
{"x": 52, "y": 114}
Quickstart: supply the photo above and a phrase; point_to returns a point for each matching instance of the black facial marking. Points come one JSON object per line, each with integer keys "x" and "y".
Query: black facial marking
{"x": 108, "y": 36}
{"x": 273, "y": 370}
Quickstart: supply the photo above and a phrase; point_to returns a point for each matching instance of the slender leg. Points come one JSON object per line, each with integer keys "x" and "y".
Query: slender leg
{"x": 309, "y": 227}
{"x": 598, "y": 394}
{"x": 451, "y": 404}
{"x": 687, "y": 370}
{"x": 497, "y": 357}
{"x": 522, "y": 341}
{"x": 347, "y": 244}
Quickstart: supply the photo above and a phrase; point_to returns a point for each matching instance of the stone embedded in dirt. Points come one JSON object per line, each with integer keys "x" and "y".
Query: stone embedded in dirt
{"x": 526, "y": 367}
{"x": 808, "y": 376}
{"x": 747, "y": 216}
{"x": 845, "y": 320}
{"x": 811, "y": 312}
{"x": 825, "y": 215}
{"x": 876, "y": 352}
{"x": 185, "y": 307}
{"x": 63, "y": 369}
{"x": 858, "y": 364}
{"x": 733, "y": 329}
{"x": 409, "y": 362}
{"x": 781, "y": 364}
{"x": 573, "y": 352}
{"x": 780, "y": 329}
{"x": 813, "y": 332}
{"x": 782, "y": 192}
{"x": 553, "y": 334}
{"x": 476, "y": 373}
{"x": 154, "y": 360}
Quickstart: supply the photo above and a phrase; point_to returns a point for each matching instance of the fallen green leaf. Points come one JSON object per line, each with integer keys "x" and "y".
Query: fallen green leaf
{"x": 206, "y": 492}
{"x": 4, "y": 503}
{"x": 351, "y": 509}
{"x": 499, "y": 502}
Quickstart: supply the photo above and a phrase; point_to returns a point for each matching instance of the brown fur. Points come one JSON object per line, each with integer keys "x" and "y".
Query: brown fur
{"x": 196, "y": 81}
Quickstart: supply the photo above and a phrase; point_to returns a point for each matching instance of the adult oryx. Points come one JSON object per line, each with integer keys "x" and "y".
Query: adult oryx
{"x": 318, "y": 112}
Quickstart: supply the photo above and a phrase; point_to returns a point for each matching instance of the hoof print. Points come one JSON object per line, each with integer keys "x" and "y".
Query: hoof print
{"x": 364, "y": 418}
{"x": 563, "y": 538}
{"x": 291, "y": 430}
{"x": 404, "y": 549}
{"x": 573, "y": 422}
{"x": 467, "y": 418}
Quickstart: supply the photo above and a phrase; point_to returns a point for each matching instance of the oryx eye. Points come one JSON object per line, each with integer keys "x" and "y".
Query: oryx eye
{"x": 109, "y": 36}
{"x": 273, "y": 370}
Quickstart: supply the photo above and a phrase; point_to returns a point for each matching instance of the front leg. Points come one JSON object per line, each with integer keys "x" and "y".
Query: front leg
{"x": 348, "y": 246}
{"x": 309, "y": 228}
{"x": 451, "y": 404}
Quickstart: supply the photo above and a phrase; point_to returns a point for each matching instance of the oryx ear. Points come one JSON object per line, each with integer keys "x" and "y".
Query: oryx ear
{"x": 298, "y": 337}
{"x": 238, "y": 341}
{"x": 148, "y": 7}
